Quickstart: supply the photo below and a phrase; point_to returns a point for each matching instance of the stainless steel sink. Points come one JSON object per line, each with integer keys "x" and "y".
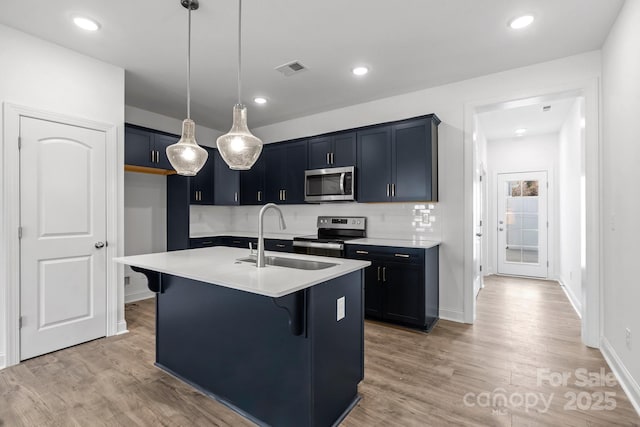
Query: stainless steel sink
{"x": 300, "y": 264}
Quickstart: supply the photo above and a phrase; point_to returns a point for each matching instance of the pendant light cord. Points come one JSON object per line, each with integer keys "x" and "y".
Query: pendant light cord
{"x": 189, "y": 65}
{"x": 239, "y": 51}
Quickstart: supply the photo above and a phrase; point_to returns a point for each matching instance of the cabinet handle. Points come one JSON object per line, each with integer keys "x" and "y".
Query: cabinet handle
{"x": 236, "y": 242}
{"x": 332, "y": 161}
{"x": 378, "y": 274}
{"x": 259, "y": 196}
{"x": 388, "y": 189}
{"x": 328, "y": 159}
{"x": 362, "y": 252}
{"x": 284, "y": 194}
{"x": 157, "y": 156}
{"x": 153, "y": 153}
{"x": 279, "y": 245}
{"x": 402, "y": 255}
{"x": 208, "y": 242}
{"x": 384, "y": 274}
{"x": 235, "y": 196}
{"x": 393, "y": 190}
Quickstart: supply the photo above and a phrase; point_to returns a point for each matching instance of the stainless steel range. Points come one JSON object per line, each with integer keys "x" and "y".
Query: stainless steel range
{"x": 333, "y": 232}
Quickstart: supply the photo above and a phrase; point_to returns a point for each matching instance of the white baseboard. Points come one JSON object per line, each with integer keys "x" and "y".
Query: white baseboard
{"x": 122, "y": 328}
{"x": 3, "y": 361}
{"x": 137, "y": 296}
{"x": 452, "y": 315}
{"x": 628, "y": 384}
{"x": 573, "y": 299}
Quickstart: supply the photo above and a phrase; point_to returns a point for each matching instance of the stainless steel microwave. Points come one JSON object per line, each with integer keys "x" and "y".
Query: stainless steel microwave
{"x": 329, "y": 185}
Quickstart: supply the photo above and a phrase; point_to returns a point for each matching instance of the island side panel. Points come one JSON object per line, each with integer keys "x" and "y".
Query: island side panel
{"x": 337, "y": 349}
{"x": 237, "y": 346}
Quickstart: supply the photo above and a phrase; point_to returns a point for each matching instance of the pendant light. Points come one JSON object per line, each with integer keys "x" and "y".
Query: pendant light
{"x": 186, "y": 156}
{"x": 239, "y": 147}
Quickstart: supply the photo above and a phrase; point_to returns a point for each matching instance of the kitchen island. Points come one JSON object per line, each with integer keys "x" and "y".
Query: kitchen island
{"x": 281, "y": 346}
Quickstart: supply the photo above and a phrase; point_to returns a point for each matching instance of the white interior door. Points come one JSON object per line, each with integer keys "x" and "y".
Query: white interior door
{"x": 522, "y": 224}
{"x": 63, "y": 222}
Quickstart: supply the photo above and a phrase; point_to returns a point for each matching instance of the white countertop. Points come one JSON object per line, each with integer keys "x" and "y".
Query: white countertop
{"x": 218, "y": 265}
{"x": 374, "y": 241}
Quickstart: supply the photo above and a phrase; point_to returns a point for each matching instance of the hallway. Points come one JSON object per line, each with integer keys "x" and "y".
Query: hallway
{"x": 469, "y": 375}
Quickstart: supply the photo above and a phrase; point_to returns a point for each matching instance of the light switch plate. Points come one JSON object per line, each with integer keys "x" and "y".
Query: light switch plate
{"x": 340, "y": 309}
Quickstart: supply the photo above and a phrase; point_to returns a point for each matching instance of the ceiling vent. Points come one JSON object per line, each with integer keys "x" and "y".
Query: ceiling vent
{"x": 291, "y": 68}
{"x": 546, "y": 108}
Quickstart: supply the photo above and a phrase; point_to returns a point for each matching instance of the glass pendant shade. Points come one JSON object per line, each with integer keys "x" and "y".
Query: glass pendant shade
{"x": 239, "y": 147}
{"x": 186, "y": 156}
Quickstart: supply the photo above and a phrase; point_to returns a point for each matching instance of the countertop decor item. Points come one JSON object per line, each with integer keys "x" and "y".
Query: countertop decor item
{"x": 186, "y": 156}
{"x": 239, "y": 147}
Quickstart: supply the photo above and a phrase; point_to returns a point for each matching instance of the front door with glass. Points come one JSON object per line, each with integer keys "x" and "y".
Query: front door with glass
{"x": 522, "y": 224}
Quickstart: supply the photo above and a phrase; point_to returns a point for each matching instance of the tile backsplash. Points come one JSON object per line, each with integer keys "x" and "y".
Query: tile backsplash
{"x": 412, "y": 221}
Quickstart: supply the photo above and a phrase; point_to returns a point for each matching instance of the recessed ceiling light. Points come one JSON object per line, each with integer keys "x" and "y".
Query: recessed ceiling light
{"x": 86, "y": 23}
{"x": 521, "y": 131}
{"x": 260, "y": 100}
{"x": 360, "y": 71}
{"x": 521, "y": 22}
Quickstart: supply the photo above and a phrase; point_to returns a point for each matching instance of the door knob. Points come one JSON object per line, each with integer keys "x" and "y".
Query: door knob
{"x": 99, "y": 245}
{"x": 478, "y": 234}
{"x": 500, "y": 229}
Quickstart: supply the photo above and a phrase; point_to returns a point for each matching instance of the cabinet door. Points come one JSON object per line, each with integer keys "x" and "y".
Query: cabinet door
{"x": 374, "y": 166}
{"x": 278, "y": 245}
{"x": 138, "y": 144}
{"x": 373, "y": 291}
{"x": 275, "y": 163}
{"x": 161, "y": 142}
{"x": 411, "y": 160}
{"x": 226, "y": 182}
{"x": 178, "y": 190}
{"x": 319, "y": 152}
{"x": 252, "y": 184}
{"x": 343, "y": 150}
{"x": 202, "y": 184}
{"x": 296, "y": 164}
{"x": 403, "y": 286}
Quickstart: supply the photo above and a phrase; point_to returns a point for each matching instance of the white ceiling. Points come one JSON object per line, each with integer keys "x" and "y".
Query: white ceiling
{"x": 408, "y": 44}
{"x": 502, "y": 122}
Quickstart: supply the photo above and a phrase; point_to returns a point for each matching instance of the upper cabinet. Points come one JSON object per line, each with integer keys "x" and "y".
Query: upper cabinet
{"x": 399, "y": 162}
{"x": 147, "y": 148}
{"x": 330, "y": 151}
{"x": 226, "y": 182}
{"x": 252, "y": 183}
{"x": 201, "y": 186}
{"x": 285, "y": 164}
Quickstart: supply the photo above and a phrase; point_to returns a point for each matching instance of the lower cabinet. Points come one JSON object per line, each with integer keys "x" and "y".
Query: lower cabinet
{"x": 276, "y": 245}
{"x": 205, "y": 242}
{"x": 401, "y": 285}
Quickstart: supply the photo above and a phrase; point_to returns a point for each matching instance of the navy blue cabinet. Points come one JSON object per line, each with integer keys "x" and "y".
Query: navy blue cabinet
{"x": 401, "y": 285}
{"x": 147, "y": 148}
{"x": 202, "y": 184}
{"x": 178, "y": 197}
{"x": 205, "y": 242}
{"x": 252, "y": 184}
{"x": 399, "y": 162}
{"x": 285, "y": 164}
{"x": 336, "y": 150}
{"x": 226, "y": 183}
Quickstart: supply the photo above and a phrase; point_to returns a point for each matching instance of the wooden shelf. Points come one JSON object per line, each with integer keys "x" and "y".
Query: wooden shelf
{"x": 144, "y": 169}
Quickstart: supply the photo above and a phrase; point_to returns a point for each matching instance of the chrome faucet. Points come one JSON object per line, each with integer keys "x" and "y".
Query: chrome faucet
{"x": 260, "y": 258}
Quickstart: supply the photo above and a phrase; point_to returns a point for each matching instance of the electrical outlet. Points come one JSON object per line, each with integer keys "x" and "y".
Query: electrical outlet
{"x": 127, "y": 280}
{"x": 340, "y": 309}
{"x": 627, "y": 333}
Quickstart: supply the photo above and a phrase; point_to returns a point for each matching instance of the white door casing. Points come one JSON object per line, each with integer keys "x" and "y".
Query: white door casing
{"x": 479, "y": 233}
{"x": 522, "y": 224}
{"x": 63, "y": 223}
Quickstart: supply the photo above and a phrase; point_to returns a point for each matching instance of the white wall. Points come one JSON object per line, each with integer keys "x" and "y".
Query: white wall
{"x": 448, "y": 102}
{"x": 44, "y": 76}
{"x": 524, "y": 154}
{"x": 621, "y": 174}
{"x": 145, "y": 225}
{"x": 570, "y": 203}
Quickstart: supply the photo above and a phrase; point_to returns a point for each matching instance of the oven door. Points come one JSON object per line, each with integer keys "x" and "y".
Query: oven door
{"x": 326, "y": 185}
{"x": 305, "y": 247}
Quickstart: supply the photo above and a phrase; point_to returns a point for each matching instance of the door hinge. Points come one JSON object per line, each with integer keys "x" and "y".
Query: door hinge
{"x": 547, "y": 264}
{"x": 20, "y": 322}
{"x": 547, "y": 224}
{"x": 19, "y": 232}
{"x": 547, "y": 184}
{"x": 480, "y": 268}
{"x": 19, "y": 143}
{"x": 480, "y": 223}
{"x": 480, "y": 178}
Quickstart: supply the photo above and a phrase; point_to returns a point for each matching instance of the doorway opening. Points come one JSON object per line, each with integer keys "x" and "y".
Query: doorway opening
{"x": 535, "y": 212}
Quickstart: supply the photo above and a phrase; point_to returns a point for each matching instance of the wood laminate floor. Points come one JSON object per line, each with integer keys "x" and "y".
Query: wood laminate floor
{"x": 487, "y": 374}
